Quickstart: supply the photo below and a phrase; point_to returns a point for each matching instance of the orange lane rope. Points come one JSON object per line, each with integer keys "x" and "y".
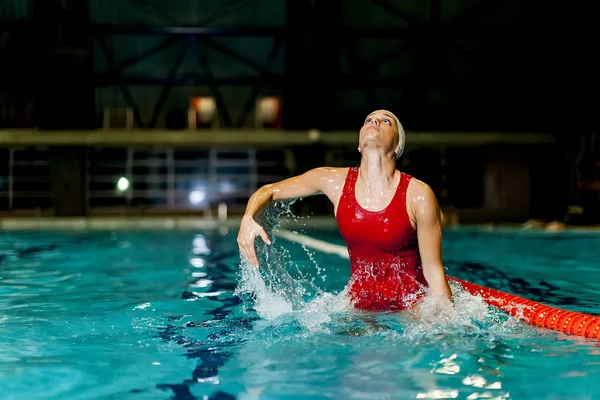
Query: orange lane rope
{"x": 535, "y": 313}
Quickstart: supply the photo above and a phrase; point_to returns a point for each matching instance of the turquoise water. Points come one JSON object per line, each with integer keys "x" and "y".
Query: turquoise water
{"x": 153, "y": 315}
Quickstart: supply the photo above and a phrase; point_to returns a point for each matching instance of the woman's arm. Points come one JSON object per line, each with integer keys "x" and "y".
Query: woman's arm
{"x": 307, "y": 184}
{"x": 313, "y": 182}
{"x": 429, "y": 233}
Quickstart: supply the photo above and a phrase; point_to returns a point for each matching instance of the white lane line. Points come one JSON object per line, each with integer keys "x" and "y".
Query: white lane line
{"x": 312, "y": 243}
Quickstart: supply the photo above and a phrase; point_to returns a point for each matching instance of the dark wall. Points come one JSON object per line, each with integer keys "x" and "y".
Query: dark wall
{"x": 65, "y": 95}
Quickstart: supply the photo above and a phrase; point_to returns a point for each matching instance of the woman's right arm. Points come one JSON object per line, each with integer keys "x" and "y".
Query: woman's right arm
{"x": 308, "y": 184}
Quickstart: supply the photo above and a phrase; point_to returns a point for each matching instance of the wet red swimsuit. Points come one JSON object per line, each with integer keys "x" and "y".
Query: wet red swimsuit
{"x": 386, "y": 266}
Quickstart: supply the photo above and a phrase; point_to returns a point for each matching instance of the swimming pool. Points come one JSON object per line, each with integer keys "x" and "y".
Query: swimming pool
{"x": 153, "y": 315}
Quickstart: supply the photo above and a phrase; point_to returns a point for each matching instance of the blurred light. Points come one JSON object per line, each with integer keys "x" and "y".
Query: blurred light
{"x": 197, "y": 196}
{"x": 222, "y": 211}
{"x": 205, "y": 107}
{"x": 575, "y": 209}
{"x": 200, "y": 241}
{"x": 226, "y": 187}
{"x": 123, "y": 184}
{"x": 314, "y": 135}
{"x": 268, "y": 111}
{"x": 200, "y": 245}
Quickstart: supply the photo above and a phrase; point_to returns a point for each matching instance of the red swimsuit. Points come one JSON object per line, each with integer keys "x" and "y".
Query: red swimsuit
{"x": 384, "y": 253}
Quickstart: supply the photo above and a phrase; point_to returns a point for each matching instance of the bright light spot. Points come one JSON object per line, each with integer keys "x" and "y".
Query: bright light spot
{"x": 268, "y": 109}
{"x": 438, "y": 394}
{"x": 211, "y": 379}
{"x": 200, "y": 246}
{"x": 474, "y": 380}
{"x": 123, "y": 184}
{"x": 198, "y": 295}
{"x": 206, "y": 107}
{"x": 448, "y": 367}
{"x": 484, "y": 395}
{"x": 197, "y": 196}
{"x": 155, "y": 363}
{"x": 200, "y": 241}
{"x": 495, "y": 385}
{"x": 202, "y": 283}
{"x": 197, "y": 262}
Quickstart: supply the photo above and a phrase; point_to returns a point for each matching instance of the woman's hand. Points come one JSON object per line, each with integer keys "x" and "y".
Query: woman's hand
{"x": 249, "y": 230}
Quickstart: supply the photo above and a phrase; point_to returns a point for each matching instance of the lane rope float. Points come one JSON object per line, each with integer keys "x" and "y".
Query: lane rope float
{"x": 536, "y": 314}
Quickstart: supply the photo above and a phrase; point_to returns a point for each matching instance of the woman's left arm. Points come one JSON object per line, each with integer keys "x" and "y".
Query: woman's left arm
{"x": 429, "y": 233}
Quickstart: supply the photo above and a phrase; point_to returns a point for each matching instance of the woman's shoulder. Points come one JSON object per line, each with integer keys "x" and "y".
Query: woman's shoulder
{"x": 331, "y": 171}
{"x": 417, "y": 188}
{"x": 327, "y": 175}
{"x": 327, "y": 179}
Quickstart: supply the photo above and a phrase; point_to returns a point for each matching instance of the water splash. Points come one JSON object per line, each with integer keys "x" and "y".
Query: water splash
{"x": 285, "y": 297}
{"x": 279, "y": 286}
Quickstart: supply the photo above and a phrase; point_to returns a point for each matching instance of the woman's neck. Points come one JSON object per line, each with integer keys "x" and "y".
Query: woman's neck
{"x": 377, "y": 172}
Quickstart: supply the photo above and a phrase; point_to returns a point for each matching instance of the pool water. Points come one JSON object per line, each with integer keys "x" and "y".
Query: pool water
{"x": 156, "y": 315}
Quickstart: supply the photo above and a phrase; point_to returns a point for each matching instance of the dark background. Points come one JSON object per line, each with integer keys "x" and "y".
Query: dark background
{"x": 466, "y": 66}
{"x": 511, "y": 65}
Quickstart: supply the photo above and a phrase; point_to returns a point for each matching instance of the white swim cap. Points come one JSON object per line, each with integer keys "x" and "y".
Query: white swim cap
{"x": 401, "y": 134}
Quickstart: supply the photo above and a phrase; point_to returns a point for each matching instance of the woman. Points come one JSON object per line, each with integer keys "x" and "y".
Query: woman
{"x": 389, "y": 220}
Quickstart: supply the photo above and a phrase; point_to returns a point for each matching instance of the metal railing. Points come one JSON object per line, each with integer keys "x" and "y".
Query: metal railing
{"x": 25, "y": 181}
{"x": 177, "y": 179}
{"x": 164, "y": 179}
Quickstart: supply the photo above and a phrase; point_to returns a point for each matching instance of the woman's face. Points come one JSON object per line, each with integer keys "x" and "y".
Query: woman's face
{"x": 380, "y": 127}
